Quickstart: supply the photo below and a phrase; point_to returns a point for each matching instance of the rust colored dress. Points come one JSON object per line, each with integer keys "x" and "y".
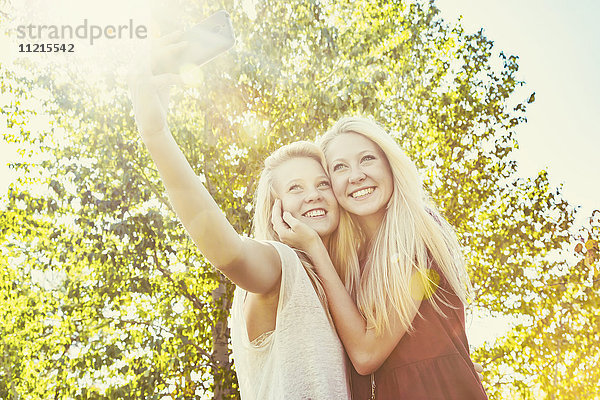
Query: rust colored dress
{"x": 430, "y": 363}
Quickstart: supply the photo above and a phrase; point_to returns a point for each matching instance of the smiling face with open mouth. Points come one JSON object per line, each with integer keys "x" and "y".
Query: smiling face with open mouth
{"x": 360, "y": 174}
{"x": 305, "y": 192}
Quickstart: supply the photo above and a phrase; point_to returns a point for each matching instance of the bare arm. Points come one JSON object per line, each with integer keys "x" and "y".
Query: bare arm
{"x": 253, "y": 265}
{"x": 366, "y": 350}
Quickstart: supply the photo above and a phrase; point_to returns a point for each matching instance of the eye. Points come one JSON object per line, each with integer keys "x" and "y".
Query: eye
{"x": 368, "y": 157}
{"x": 324, "y": 184}
{"x": 337, "y": 167}
{"x": 294, "y": 187}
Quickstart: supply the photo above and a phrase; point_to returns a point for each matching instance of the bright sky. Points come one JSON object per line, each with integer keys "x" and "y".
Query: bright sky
{"x": 559, "y": 58}
{"x": 558, "y": 46}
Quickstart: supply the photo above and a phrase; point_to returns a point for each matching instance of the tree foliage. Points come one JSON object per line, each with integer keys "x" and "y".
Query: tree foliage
{"x": 102, "y": 294}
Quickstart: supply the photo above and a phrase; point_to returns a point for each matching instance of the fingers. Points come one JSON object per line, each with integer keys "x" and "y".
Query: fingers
{"x": 290, "y": 220}
{"x": 170, "y": 38}
{"x": 276, "y": 213}
{"x": 174, "y": 50}
{"x": 277, "y": 221}
{"x": 165, "y": 57}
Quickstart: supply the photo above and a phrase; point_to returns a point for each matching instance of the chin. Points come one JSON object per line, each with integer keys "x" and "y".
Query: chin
{"x": 364, "y": 210}
{"x": 321, "y": 230}
{"x": 361, "y": 210}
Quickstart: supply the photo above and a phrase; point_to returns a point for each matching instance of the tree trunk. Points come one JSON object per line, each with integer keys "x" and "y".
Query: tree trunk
{"x": 223, "y": 388}
{"x": 220, "y": 336}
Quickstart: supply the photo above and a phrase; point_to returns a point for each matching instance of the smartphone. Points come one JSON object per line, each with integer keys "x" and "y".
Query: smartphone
{"x": 206, "y": 40}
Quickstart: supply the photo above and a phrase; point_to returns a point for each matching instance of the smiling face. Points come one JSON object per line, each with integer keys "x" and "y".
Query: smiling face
{"x": 361, "y": 176}
{"x": 305, "y": 192}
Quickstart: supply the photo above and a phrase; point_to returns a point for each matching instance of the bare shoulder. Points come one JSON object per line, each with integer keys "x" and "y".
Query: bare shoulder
{"x": 257, "y": 268}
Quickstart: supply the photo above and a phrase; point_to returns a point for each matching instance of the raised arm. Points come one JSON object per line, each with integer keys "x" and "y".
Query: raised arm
{"x": 253, "y": 265}
{"x": 366, "y": 350}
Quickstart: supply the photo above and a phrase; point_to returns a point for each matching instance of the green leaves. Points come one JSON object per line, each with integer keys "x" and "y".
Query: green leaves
{"x": 103, "y": 295}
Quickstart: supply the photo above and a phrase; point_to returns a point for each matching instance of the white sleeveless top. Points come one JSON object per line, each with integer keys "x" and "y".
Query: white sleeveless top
{"x": 303, "y": 357}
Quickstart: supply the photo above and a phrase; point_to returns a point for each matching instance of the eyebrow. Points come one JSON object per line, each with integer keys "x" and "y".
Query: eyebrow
{"x": 359, "y": 154}
{"x": 300, "y": 179}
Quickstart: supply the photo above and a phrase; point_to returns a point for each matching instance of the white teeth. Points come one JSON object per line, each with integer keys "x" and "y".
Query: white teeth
{"x": 315, "y": 213}
{"x": 362, "y": 192}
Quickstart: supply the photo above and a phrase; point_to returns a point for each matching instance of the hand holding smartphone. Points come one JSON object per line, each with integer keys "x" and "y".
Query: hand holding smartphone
{"x": 203, "y": 42}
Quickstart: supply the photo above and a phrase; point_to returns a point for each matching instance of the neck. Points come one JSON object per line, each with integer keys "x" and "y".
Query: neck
{"x": 370, "y": 224}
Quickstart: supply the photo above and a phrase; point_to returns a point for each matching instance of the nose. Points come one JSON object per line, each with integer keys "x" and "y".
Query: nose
{"x": 313, "y": 195}
{"x": 356, "y": 176}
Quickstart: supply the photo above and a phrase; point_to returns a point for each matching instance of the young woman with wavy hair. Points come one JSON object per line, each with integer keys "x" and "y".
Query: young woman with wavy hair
{"x": 397, "y": 291}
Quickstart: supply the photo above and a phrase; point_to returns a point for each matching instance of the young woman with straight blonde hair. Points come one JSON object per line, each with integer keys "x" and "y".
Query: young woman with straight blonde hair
{"x": 397, "y": 298}
{"x": 284, "y": 344}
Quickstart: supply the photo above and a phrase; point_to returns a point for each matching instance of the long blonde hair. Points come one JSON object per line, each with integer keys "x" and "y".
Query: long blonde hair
{"x": 412, "y": 235}
{"x": 265, "y": 196}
